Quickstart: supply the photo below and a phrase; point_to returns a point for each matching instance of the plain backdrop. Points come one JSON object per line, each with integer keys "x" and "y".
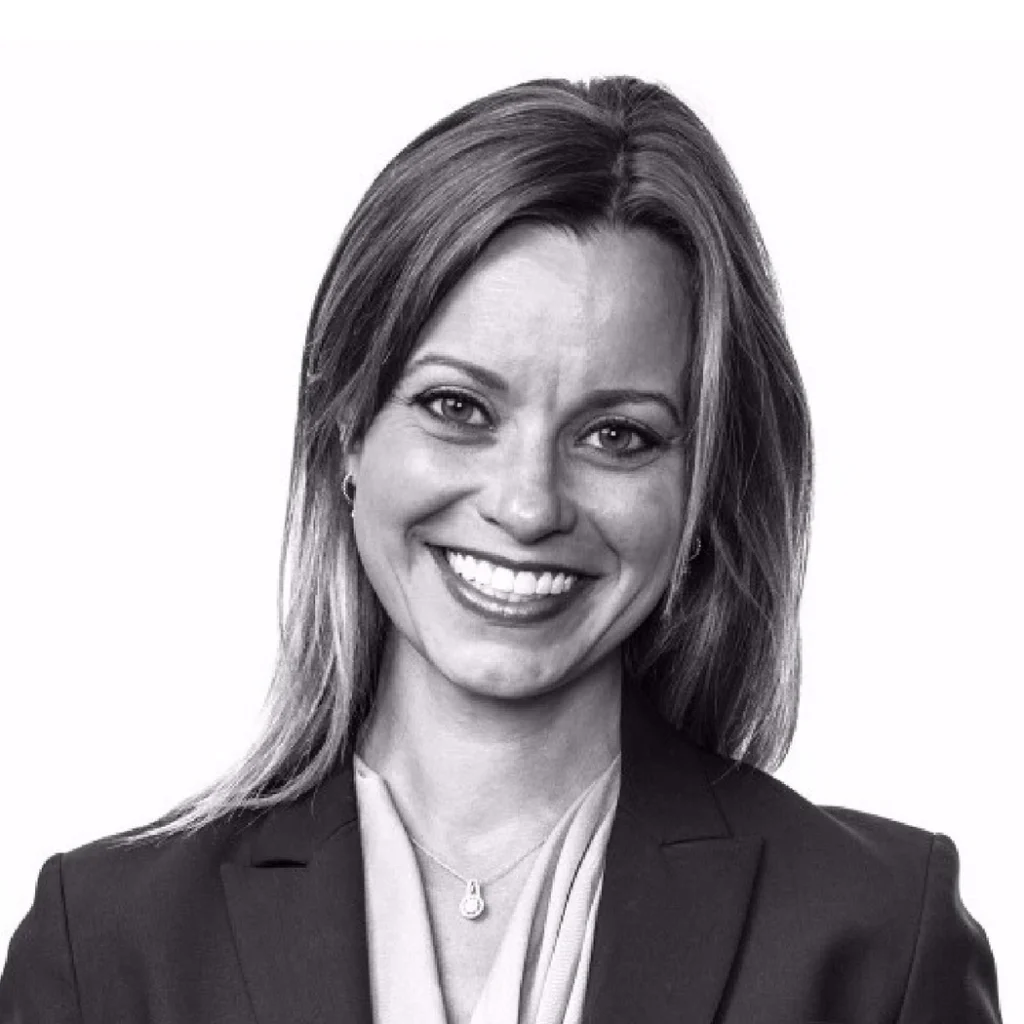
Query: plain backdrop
{"x": 169, "y": 201}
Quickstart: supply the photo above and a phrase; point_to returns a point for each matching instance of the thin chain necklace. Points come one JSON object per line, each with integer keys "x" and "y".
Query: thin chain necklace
{"x": 472, "y": 904}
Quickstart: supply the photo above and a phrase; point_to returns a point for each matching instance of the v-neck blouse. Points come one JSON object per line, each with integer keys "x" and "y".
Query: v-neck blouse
{"x": 539, "y": 973}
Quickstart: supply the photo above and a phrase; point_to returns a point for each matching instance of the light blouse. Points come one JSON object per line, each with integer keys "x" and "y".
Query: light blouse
{"x": 539, "y": 973}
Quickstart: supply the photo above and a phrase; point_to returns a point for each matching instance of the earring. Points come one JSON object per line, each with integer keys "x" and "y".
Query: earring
{"x": 695, "y": 551}
{"x": 348, "y": 491}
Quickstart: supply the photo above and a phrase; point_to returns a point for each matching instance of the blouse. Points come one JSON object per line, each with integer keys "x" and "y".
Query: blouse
{"x": 539, "y": 973}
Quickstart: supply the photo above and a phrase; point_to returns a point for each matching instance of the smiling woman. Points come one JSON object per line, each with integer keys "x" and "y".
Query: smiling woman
{"x": 541, "y": 478}
{"x": 546, "y": 542}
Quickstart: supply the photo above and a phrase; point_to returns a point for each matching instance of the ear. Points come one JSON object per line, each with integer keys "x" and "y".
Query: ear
{"x": 353, "y": 454}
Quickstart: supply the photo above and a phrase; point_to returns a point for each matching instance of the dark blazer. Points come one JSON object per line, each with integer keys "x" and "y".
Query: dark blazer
{"x": 727, "y": 898}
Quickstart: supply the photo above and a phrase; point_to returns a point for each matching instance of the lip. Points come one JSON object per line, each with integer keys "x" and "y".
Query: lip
{"x": 523, "y": 613}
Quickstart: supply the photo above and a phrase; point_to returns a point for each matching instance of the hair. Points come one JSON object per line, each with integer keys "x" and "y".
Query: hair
{"x": 719, "y": 655}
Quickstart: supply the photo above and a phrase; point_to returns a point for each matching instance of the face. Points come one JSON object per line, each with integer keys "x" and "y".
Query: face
{"x": 519, "y": 498}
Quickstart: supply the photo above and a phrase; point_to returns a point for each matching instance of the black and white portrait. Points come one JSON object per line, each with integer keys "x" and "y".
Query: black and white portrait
{"x": 509, "y": 533}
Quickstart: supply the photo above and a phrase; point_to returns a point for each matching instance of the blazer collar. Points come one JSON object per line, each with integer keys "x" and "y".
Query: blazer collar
{"x": 665, "y": 787}
{"x": 665, "y": 784}
{"x": 676, "y": 892}
{"x": 294, "y": 889}
{"x": 677, "y": 884}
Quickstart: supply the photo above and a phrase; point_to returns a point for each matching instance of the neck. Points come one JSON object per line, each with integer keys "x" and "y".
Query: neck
{"x": 476, "y": 776}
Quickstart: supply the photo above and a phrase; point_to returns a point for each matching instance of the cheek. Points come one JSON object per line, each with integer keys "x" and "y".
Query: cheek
{"x": 404, "y": 478}
{"x": 643, "y": 524}
{"x": 399, "y": 486}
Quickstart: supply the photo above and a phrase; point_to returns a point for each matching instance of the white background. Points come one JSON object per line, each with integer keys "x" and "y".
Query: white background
{"x": 172, "y": 188}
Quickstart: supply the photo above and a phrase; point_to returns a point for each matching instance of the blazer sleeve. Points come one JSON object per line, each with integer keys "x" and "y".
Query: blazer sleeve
{"x": 38, "y": 983}
{"x": 952, "y": 973}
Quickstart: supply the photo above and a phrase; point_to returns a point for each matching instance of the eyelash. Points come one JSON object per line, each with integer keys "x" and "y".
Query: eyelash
{"x": 651, "y": 440}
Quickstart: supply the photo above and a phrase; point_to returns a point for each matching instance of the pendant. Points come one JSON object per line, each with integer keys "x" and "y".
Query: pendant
{"x": 471, "y": 906}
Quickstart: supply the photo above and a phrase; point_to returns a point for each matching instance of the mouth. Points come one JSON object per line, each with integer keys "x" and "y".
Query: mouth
{"x": 505, "y": 594}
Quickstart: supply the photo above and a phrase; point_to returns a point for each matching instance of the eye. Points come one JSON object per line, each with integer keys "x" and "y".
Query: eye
{"x": 622, "y": 438}
{"x": 454, "y": 407}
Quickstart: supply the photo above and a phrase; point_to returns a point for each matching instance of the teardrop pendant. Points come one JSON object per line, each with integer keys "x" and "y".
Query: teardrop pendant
{"x": 471, "y": 906}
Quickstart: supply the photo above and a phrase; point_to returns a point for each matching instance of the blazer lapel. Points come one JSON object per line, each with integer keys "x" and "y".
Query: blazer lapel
{"x": 676, "y": 889}
{"x": 295, "y": 898}
{"x": 676, "y": 892}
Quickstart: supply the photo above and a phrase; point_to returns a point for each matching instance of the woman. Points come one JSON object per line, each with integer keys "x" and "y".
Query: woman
{"x": 546, "y": 540}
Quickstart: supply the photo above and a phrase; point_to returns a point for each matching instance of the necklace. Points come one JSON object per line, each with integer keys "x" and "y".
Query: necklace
{"x": 472, "y": 904}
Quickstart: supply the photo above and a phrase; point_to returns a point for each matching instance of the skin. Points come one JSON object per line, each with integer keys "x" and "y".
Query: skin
{"x": 486, "y": 732}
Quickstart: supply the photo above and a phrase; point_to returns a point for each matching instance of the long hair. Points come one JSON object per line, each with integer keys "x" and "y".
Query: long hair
{"x": 719, "y": 655}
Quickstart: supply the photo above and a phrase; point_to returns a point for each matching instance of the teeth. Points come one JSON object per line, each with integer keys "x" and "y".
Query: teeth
{"x": 499, "y": 581}
{"x": 503, "y": 579}
{"x": 526, "y": 584}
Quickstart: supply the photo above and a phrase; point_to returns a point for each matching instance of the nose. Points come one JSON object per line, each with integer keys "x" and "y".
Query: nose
{"x": 526, "y": 496}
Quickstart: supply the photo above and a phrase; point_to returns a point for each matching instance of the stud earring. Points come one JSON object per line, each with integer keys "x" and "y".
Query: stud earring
{"x": 348, "y": 492}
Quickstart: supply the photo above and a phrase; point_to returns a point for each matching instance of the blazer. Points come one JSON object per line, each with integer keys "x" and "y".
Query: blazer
{"x": 728, "y": 899}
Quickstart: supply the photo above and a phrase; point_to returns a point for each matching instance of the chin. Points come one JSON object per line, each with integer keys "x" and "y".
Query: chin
{"x": 513, "y": 675}
{"x": 500, "y": 681}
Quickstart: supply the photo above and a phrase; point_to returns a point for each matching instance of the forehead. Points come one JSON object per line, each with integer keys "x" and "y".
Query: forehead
{"x": 543, "y": 303}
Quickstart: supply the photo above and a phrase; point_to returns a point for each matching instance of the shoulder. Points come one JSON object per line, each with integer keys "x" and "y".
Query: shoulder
{"x": 116, "y": 888}
{"x": 823, "y": 844}
{"x": 753, "y": 801}
{"x": 132, "y": 880}
{"x": 839, "y": 855}
{"x": 116, "y": 870}
{"x": 100, "y": 906}
{"x": 844, "y": 883}
{"x": 830, "y": 870}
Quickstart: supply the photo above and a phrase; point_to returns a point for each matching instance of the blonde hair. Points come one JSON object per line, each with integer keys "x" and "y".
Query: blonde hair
{"x": 720, "y": 654}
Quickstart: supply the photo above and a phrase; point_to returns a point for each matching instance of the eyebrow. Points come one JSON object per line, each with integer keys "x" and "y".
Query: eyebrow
{"x": 609, "y": 397}
{"x": 605, "y": 398}
{"x": 482, "y": 376}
